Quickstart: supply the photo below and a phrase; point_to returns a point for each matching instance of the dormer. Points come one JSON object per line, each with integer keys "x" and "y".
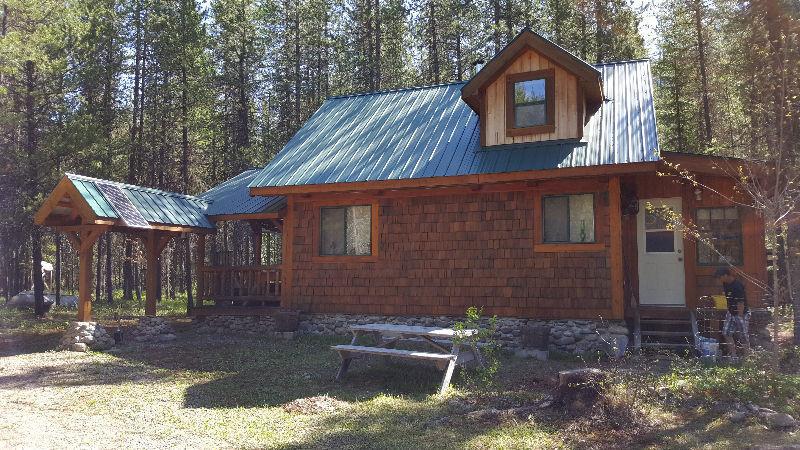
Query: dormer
{"x": 533, "y": 90}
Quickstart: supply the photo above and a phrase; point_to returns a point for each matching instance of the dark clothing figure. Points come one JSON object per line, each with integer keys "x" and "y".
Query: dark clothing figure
{"x": 734, "y": 293}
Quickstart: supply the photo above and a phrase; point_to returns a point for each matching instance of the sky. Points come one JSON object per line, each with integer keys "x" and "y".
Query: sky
{"x": 647, "y": 27}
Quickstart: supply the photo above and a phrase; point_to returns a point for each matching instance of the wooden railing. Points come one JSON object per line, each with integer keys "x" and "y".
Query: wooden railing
{"x": 252, "y": 285}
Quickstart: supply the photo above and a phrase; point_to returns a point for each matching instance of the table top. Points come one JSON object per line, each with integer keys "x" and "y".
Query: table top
{"x": 388, "y": 328}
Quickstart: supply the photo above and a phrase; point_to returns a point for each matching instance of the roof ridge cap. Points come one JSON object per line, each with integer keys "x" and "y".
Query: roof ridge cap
{"x": 390, "y": 91}
{"x": 135, "y": 187}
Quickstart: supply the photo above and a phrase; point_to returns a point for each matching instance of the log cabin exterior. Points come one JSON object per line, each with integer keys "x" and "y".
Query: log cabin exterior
{"x": 533, "y": 191}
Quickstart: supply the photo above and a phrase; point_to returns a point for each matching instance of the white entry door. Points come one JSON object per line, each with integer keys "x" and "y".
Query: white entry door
{"x": 661, "y": 274}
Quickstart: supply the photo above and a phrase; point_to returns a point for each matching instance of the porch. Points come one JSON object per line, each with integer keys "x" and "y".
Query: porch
{"x": 250, "y": 290}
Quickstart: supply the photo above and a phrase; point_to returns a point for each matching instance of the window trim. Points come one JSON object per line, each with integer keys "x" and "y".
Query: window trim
{"x": 317, "y": 231}
{"x": 594, "y": 217}
{"x": 596, "y": 189}
{"x": 740, "y": 263}
{"x": 549, "y": 76}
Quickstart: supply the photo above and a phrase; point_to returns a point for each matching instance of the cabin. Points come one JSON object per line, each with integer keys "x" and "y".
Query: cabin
{"x": 536, "y": 190}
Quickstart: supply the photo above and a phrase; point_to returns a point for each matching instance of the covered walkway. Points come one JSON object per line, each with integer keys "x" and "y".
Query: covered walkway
{"x": 83, "y": 208}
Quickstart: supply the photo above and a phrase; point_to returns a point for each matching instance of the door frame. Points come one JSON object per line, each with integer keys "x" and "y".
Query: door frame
{"x": 679, "y": 241}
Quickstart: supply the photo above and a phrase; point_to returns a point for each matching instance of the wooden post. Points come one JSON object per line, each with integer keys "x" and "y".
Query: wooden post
{"x": 617, "y": 275}
{"x": 85, "y": 285}
{"x": 154, "y": 243}
{"x": 83, "y": 242}
{"x": 257, "y": 239}
{"x": 200, "y": 262}
{"x": 286, "y": 257}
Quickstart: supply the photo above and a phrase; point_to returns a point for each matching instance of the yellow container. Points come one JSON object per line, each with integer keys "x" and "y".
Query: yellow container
{"x": 720, "y": 302}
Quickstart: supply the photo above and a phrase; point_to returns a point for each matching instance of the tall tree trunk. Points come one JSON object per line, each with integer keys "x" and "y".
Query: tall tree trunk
{"x": 31, "y": 149}
{"x": 377, "y": 61}
{"x": 701, "y": 52}
{"x": 185, "y": 156}
{"x": 109, "y": 271}
{"x": 496, "y": 28}
{"x": 434, "y": 43}
{"x": 127, "y": 268}
{"x": 4, "y": 21}
{"x": 297, "y": 78}
{"x": 98, "y": 273}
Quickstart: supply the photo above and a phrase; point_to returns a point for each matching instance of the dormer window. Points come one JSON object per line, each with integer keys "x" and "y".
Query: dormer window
{"x": 530, "y": 101}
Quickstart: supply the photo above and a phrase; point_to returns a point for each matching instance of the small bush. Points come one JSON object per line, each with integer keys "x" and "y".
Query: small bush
{"x": 479, "y": 376}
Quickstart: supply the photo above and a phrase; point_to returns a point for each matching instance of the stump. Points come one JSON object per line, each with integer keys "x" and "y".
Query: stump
{"x": 580, "y": 388}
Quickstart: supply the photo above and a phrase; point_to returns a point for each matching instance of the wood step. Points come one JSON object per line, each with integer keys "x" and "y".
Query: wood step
{"x": 346, "y": 350}
{"x": 665, "y": 321}
{"x": 667, "y": 333}
{"x": 665, "y": 345}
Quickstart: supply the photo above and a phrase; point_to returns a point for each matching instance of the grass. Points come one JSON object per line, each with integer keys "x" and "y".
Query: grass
{"x": 210, "y": 392}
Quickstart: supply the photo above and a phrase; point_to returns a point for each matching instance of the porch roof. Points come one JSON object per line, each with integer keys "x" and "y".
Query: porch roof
{"x": 78, "y": 200}
{"x": 232, "y": 197}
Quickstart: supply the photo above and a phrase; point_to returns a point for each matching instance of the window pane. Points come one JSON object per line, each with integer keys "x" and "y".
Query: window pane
{"x": 530, "y": 115}
{"x": 657, "y": 218}
{"x": 359, "y": 228}
{"x": 530, "y": 103}
{"x": 332, "y": 241}
{"x": 660, "y": 242}
{"x": 721, "y": 236}
{"x": 556, "y": 219}
{"x": 581, "y": 218}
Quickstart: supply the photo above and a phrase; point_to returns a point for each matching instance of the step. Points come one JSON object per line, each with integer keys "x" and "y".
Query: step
{"x": 345, "y": 350}
{"x": 666, "y": 333}
{"x": 665, "y": 345}
{"x": 665, "y": 321}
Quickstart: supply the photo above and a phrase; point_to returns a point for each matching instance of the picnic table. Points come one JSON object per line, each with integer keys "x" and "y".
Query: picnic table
{"x": 445, "y": 352}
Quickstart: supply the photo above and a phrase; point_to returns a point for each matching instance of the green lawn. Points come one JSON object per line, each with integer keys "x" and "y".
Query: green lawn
{"x": 211, "y": 392}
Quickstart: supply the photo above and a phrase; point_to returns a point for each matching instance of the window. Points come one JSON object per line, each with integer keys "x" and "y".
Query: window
{"x": 659, "y": 233}
{"x": 720, "y": 236}
{"x": 568, "y": 218}
{"x": 530, "y": 103}
{"x": 346, "y": 230}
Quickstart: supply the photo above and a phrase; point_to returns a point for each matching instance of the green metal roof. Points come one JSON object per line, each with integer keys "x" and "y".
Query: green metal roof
{"x": 233, "y": 197}
{"x": 155, "y": 206}
{"x": 431, "y": 132}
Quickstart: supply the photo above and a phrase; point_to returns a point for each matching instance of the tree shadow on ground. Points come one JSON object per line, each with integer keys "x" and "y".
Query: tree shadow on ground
{"x": 25, "y": 343}
{"x": 264, "y": 372}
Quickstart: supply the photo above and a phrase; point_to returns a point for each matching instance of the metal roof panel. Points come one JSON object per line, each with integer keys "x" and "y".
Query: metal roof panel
{"x": 430, "y": 132}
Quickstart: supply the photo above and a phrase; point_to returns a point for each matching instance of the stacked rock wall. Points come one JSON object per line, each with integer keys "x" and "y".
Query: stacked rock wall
{"x": 569, "y": 336}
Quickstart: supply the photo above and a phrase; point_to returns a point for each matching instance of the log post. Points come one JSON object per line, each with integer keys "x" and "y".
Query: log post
{"x": 154, "y": 243}
{"x": 200, "y": 262}
{"x": 85, "y": 285}
{"x": 83, "y": 242}
{"x": 616, "y": 256}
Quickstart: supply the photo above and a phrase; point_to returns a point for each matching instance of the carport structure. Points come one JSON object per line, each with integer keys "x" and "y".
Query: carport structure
{"x": 84, "y": 208}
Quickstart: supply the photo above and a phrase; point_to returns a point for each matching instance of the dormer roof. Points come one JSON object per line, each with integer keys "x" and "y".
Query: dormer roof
{"x": 589, "y": 77}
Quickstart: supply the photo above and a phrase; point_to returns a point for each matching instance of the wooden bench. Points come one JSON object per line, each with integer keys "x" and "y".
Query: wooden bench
{"x": 388, "y": 335}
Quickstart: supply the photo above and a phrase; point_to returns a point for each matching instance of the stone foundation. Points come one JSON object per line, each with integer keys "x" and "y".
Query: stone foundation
{"x": 568, "y": 336}
{"x": 249, "y": 325}
{"x": 152, "y": 329}
{"x": 83, "y": 336}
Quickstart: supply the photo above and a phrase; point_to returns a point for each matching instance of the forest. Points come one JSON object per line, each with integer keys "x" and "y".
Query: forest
{"x": 183, "y": 94}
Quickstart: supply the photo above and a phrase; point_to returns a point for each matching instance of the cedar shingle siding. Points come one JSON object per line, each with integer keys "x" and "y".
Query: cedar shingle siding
{"x": 441, "y": 254}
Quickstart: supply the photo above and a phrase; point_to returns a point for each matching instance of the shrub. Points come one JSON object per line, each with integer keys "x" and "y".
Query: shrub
{"x": 479, "y": 376}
